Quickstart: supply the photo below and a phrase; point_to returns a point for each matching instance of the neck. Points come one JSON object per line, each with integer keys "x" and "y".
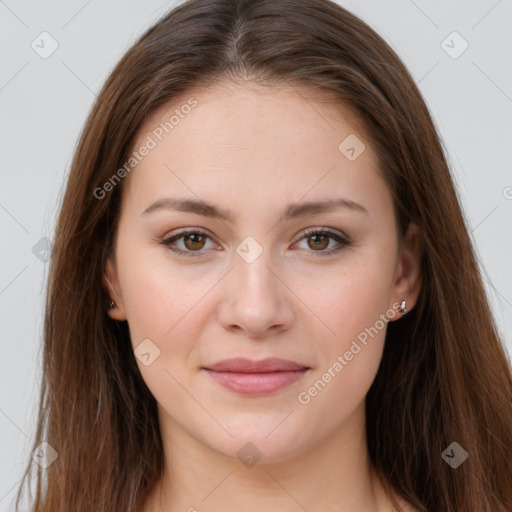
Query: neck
{"x": 334, "y": 476}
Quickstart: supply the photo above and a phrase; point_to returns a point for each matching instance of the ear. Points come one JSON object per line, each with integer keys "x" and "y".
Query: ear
{"x": 408, "y": 277}
{"x": 111, "y": 283}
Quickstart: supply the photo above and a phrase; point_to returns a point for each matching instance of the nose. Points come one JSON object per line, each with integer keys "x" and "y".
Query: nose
{"x": 256, "y": 300}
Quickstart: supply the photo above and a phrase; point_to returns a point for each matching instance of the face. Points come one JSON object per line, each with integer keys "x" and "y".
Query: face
{"x": 258, "y": 228}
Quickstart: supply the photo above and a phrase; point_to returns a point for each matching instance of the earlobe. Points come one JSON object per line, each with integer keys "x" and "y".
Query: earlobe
{"x": 115, "y": 308}
{"x": 409, "y": 279}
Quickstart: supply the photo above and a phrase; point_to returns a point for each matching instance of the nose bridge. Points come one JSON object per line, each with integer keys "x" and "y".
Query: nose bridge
{"x": 255, "y": 298}
{"x": 253, "y": 279}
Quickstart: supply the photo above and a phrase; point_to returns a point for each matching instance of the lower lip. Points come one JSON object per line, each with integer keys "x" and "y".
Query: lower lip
{"x": 256, "y": 383}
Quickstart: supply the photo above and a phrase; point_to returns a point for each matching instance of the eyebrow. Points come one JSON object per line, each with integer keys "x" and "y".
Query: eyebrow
{"x": 291, "y": 211}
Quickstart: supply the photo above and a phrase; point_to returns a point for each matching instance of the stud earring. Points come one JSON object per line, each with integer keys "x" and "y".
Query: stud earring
{"x": 112, "y": 305}
{"x": 402, "y": 308}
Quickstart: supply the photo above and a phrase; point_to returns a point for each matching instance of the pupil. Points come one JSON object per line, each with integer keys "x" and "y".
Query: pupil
{"x": 194, "y": 239}
{"x": 317, "y": 241}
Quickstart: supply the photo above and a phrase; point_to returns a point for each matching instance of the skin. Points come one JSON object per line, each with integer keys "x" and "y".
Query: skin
{"x": 254, "y": 149}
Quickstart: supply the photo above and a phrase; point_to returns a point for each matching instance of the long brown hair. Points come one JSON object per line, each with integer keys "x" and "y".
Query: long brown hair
{"x": 444, "y": 375}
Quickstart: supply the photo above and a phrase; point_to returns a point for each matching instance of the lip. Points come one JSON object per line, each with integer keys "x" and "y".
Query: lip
{"x": 249, "y": 377}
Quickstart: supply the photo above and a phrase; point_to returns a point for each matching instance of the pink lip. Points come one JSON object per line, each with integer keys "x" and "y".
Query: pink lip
{"x": 256, "y": 377}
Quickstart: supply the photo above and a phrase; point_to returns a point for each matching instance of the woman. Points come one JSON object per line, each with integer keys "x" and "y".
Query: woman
{"x": 262, "y": 292}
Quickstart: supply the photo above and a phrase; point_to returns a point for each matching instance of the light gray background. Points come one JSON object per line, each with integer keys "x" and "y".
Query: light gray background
{"x": 44, "y": 103}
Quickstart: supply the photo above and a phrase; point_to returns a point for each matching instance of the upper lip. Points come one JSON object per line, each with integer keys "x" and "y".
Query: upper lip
{"x": 243, "y": 365}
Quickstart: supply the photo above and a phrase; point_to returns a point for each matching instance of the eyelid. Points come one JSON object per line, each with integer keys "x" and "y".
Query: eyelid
{"x": 322, "y": 230}
{"x": 168, "y": 240}
{"x": 336, "y": 235}
{"x": 341, "y": 239}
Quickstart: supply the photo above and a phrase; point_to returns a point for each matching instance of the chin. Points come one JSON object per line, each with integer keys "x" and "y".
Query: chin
{"x": 259, "y": 441}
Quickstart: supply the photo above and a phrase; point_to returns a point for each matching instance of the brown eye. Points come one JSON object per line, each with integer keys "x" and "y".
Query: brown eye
{"x": 319, "y": 242}
{"x": 194, "y": 241}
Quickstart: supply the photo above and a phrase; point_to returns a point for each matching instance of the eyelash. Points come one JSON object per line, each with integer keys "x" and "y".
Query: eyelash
{"x": 343, "y": 242}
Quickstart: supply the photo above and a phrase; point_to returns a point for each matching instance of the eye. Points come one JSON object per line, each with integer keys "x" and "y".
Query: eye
{"x": 318, "y": 240}
{"x": 194, "y": 241}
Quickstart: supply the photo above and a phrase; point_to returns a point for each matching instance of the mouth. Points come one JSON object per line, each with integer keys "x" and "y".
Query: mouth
{"x": 249, "y": 377}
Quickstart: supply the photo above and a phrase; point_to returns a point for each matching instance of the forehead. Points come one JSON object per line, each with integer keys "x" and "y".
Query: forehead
{"x": 227, "y": 137}
{"x": 254, "y": 105}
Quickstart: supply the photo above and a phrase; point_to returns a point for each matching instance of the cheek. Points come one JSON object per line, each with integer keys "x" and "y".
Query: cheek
{"x": 351, "y": 300}
{"x": 353, "y": 304}
{"x": 337, "y": 389}
{"x": 351, "y": 357}
{"x": 165, "y": 308}
{"x": 355, "y": 310}
{"x": 158, "y": 295}
{"x": 169, "y": 305}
